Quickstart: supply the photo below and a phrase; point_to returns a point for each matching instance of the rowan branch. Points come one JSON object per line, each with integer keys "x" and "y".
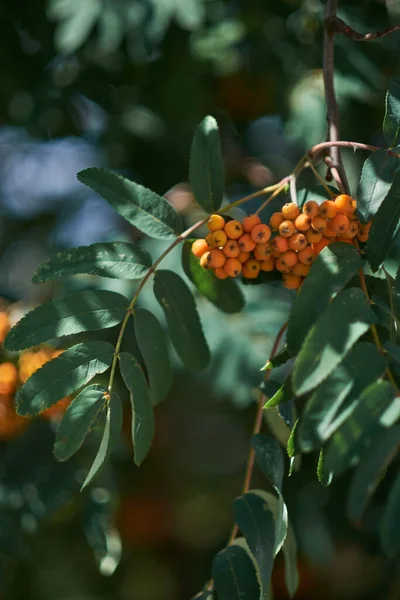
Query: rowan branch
{"x": 337, "y": 25}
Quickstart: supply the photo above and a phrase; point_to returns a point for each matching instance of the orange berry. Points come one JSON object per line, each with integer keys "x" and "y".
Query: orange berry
{"x": 301, "y": 269}
{"x": 340, "y": 224}
{"x": 216, "y": 258}
{"x": 281, "y": 267}
{"x": 260, "y": 233}
{"x": 218, "y": 239}
{"x": 267, "y": 265}
{"x": 280, "y": 243}
{"x": 262, "y": 251}
{"x": 275, "y": 220}
{"x": 345, "y": 204}
{"x": 302, "y": 222}
{"x": 215, "y": 222}
{"x": 251, "y": 269}
{"x": 329, "y": 233}
{"x": 11, "y": 424}
{"x": 313, "y": 236}
{"x": 297, "y": 241}
{"x": 250, "y": 222}
{"x": 31, "y": 360}
{"x": 220, "y": 273}
{"x": 318, "y": 246}
{"x": 307, "y": 255}
{"x": 209, "y": 239}
{"x": 328, "y": 209}
{"x": 246, "y": 243}
{"x": 344, "y": 239}
{"x": 286, "y": 228}
{"x": 318, "y": 224}
{"x": 362, "y": 237}
{"x": 363, "y": 232}
{"x": 365, "y": 228}
{"x": 200, "y": 247}
{"x": 234, "y": 229}
{"x": 311, "y": 208}
{"x": 204, "y": 260}
{"x": 56, "y": 412}
{"x": 244, "y": 256}
{"x": 4, "y": 326}
{"x": 231, "y": 249}
{"x": 289, "y": 258}
{"x": 290, "y": 211}
{"x": 291, "y": 282}
{"x": 8, "y": 378}
{"x": 352, "y": 230}
{"x": 233, "y": 267}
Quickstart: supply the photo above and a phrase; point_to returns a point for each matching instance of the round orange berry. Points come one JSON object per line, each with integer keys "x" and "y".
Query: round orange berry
{"x": 319, "y": 246}
{"x": 215, "y": 222}
{"x": 301, "y": 269}
{"x": 267, "y": 265}
{"x": 289, "y": 258}
{"x": 290, "y": 211}
{"x": 318, "y": 224}
{"x": 200, "y": 247}
{"x": 260, "y": 233}
{"x": 275, "y": 220}
{"x": 218, "y": 239}
{"x": 328, "y": 209}
{"x": 231, "y": 249}
{"x": 243, "y": 256}
{"x": 4, "y": 325}
{"x": 290, "y": 281}
{"x": 8, "y": 378}
{"x": 262, "y": 251}
{"x": 281, "y": 267}
{"x": 351, "y": 231}
{"x": 280, "y": 243}
{"x": 302, "y": 222}
{"x": 313, "y": 236}
{"x": 311, "y": 208}
{"x": 297, "y": 241}
{"x": 329, "y": 233}
{"x": 345, "y": 204}
{"x": 246, "y": 242}
{"x": 251, "y": 269}
{"x": 250, "y": 222}
{"x": 307, "y": 255}
{"x": 204, "y": 260}
{"x": 234, "y": 229}
{"x": 220, "y": 273}
{"x": 56, "y": 412}
{"x": 233, "y": 267}
{"x": 286, "y": 228}
{"x": 209, "y": 239}
{"x": 339, "y": 224}
{"x": 216, "y": 258}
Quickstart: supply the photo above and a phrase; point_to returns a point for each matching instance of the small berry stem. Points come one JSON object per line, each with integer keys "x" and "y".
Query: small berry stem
{"x": 318, "y": 148}
{"x": 320, "y": 179}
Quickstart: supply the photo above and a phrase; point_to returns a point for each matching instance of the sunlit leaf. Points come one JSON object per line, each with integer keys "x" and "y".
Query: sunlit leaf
{"x": 376, "y": 178}
{"x": 391, "y": 123}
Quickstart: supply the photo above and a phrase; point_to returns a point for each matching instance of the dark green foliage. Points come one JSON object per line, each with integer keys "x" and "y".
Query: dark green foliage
{"x": 184, "y": 325}
{"x": 234, "y": 575}
{"x": 390, "y": 531}
{"x": 141, "y": 207}
{"x": 152, "y": 344}
{"x": 224, "y": 294}
{"x": 391, "y": 123}
{"x": 62, "y": 376}
{"x": 269, "y": 457}
{"x": 376, "y": 179}
{"x": 84, "y": 311}
{"x": 118, "y": 260}
{"x": 284, "y": 394}
{"x": 206, "y": 172}
{"x": 279, "y": 359}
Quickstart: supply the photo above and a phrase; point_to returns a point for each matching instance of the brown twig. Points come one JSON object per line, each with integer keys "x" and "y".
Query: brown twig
{"x": 339, "y": 26}
{"x": 315, "y": 150}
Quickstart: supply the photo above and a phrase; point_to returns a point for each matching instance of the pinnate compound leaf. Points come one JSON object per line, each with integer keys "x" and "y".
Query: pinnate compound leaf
{"x": 206, "y": 169}
{"x": 141, "y": 207}
{"x": 391, "y": 123}
{"x": 234, "y": 575}
{"x": 255, "y": 520}
{"x": 346, "y": 319}
{"x": 224, "y": 294}
{"x": 372, "y": 464}
{"x": 354, "y": 434}
{"x": 390, "y": 528}
{"x": 376, "y": 178}
{"x": 63, "y": 376}
{"x": 117, "y": 260}
{"x": 384, "y": 226}
{"x": 152, "y": 344}
{"x": 77, "y": 420}
{"x": 332, "y": 270}
{"x": 183, "y": 320}
{"x": 142, "y": 410}
{"x": 361, "y": 367}
{"x": 84, "y": 311}
{"x": 112, "y": 430}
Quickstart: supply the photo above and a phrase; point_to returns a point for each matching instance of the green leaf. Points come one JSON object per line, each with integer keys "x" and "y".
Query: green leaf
{"x": 385, "y": 226}
{"x": 256, "y": 522}
{"x": 184, "y": 324}
{"x": 332, "y": 270}
{"x": 278, "y": 360}
{"x": 225, "y": 294}
{"x": 289, "y": 550}
{"x": 77, "y": 421}
{"x": 361, "y": 367}
{"x": 77, "y": 19}
{"x": 141, "y": 207}
{"x": 293, "y": 446}
{"x": 234, "y": 575}
{"x": 117, "y": 260}
{"x": 376, "y": 178}
{"x": 206, "y": 169}
{"x": 269, "y": 457}
{"x": 63, "y": 376}
{"x": 346, "y": 319}
{"x": 324, "y": 476}
{"x": 393, "y": 350}
{"x": 142, "y": 410}
{"x": 391, "y": 123}
{"x": 110, "y": 437}
{"x": 368, "y": 473}
{"x": 390, "y": 529}
{"x": 152, "y": 343}
{"x": 352, "y": 436}
{"x": 83, "y": 311}
{"x": 284, "y": 394}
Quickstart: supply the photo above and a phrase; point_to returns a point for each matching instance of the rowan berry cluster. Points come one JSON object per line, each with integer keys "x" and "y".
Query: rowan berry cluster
{"x": 289, "y": 244}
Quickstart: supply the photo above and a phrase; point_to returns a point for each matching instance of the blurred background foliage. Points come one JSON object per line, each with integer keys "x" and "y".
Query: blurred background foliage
{"x": 122, "y": 84}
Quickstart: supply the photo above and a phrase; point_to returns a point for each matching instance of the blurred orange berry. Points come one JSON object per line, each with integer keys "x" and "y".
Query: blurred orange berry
{"x": 267, "y": 265}
{"x": 319, "y": 246}
{"x": 200, "y": 247}
{"x": 4, "y": 325}
{"x": 301, "y": 269}
{"x": 56, "y": 412}
{"x": 8, "y": 378}
{"x": 32, "y": 360}
{"x": 220, "y": 273}
{"x": 11, "y": 424}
